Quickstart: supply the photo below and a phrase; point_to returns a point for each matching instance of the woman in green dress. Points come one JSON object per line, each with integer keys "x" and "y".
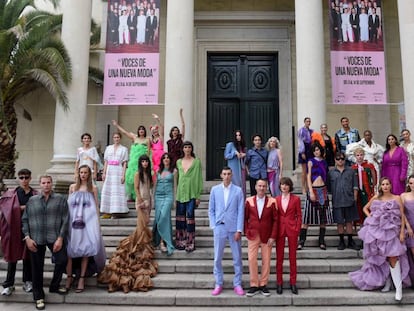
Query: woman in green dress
{"x": 140, "y": 146}
{"x": 164, "y": 200}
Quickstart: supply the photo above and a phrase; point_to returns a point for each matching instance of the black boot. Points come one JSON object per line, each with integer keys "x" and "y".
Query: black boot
{"x": 302, "y": 238}
{"x": 341, "y": 245}
{"x": 351, "y": 243}
{"x": 322, "y": 244}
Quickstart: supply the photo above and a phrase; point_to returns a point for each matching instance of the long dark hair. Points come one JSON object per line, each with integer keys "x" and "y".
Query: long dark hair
{"x": 141, "y": 127}
{"x": 179, "y": 133}
{"x": 239, "y": 145}
{"x": 315, "y": 145}
{"x": 387, "y": 145}
{"x": 161, "y": 168}
{"x": 188, "y": 143}
{"x": 144, "y": 171}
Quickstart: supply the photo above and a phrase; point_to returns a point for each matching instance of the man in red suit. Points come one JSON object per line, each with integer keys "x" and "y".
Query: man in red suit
{"x": 289, "y": 223}
{"x": 260, "y": 226}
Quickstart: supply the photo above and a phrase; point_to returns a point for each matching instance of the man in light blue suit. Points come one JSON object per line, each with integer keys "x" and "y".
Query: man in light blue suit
{"x": 226, "y": 215}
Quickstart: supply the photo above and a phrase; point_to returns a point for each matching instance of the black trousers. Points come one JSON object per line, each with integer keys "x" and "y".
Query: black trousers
{"x": 11, "y": 272}
{"x": 38, "y": 260}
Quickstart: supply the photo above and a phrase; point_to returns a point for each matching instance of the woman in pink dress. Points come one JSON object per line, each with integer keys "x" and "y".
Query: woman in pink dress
{"x": 395, "y": 164}
{"x": 157, "y": 143}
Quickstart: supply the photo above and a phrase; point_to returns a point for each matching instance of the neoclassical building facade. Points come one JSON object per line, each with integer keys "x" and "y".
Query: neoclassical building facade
{"x": 261, "y": 66}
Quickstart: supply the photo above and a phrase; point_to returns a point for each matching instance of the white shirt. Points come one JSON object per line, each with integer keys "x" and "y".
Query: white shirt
{"x": 260, "y": 205}
{"x": 226, "y": 192}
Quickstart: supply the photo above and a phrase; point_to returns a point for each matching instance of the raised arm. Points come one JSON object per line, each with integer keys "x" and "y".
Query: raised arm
{"x": 182, "y": 124}
{"x": 161, "y": 131}
{"x": 130, "y": 135}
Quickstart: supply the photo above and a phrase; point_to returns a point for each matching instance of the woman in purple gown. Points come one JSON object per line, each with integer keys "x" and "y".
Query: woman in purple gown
{"x": 395, "y": 164}
{"x": 384, "y": 247}
{"x": 408, "y": 201}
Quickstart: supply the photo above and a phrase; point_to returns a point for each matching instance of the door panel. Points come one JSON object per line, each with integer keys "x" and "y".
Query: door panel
{"x": 226, "y": 120}
{"x": 242, "y": 94}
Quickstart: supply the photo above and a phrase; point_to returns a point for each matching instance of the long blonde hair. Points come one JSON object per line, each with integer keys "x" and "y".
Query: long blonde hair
{"x": 89, "y": 184}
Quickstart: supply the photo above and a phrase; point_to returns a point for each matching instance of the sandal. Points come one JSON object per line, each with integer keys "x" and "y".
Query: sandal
{"x": 40, "y": 304}
{"x": 69, "y": 282}
{"x": 163, "y": 248}
{"x": 80, "y": 289}
{"x": 322, "y": 246}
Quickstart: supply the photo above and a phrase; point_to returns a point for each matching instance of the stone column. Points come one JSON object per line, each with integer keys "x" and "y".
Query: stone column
{"x": 310, "y": 62}
{"x": 70, "y": 124}
{"x": 179, "y": 66}
{"x": 406, "y": 21}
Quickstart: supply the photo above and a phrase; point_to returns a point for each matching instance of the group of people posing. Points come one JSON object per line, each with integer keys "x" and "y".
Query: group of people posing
{"x": 370, "y": 186}
{"x": 68, "y": 227}
{"x": 345, "y": 166}
{"x": 131, "y": 22}
{"x": 356, "y": 21}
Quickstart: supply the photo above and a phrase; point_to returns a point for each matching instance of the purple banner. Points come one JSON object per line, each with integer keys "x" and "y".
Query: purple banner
{"x": 131, "y": 74}
{"x": 357, "y": 52}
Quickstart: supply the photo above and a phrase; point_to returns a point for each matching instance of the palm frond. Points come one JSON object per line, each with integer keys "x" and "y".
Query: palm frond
{"x": 12, "y": 11}
{"x": 96, "y": 76}
{"x": 37, "y": 18}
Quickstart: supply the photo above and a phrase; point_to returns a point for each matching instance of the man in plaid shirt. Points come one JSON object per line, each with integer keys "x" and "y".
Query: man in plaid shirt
{"x": 45, "y": 224}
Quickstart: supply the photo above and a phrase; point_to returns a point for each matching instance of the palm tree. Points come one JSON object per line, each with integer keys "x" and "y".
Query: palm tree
{"x": 32, "y": 57}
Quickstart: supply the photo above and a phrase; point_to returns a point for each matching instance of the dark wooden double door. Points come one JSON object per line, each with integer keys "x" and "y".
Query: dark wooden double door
{"x": 242, "y": 94}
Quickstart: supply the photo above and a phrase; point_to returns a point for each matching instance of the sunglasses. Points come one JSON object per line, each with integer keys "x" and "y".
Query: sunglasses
{"x": 24, "y": 177}
{"x": 340, "y": 159}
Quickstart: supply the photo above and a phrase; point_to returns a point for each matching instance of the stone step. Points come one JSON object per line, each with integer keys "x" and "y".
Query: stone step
{"x": 206, "y": 281}
{"x": 172, "y": 265}
{"x": 202, "y": 297}
{"x": 127, "y": 225}
{"x": 207, "y": 241}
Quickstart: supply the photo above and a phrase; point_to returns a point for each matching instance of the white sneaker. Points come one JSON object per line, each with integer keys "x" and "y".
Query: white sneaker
{"x": 28, "y": 287}
{"x": 7, "y": 291}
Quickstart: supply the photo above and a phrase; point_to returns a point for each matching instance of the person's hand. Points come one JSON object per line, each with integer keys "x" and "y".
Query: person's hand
{"x": 197, "y": 202}
{"x": 57, "y": 246}
{"x": 31, "y": 245}
{"x": 312, "y": 196}
{"x": 114, "y": 123}
{"x": 103, "y": 176}
{"x": 122, "y": 180}
{"x": 410, "y": 233}
{"x": 237, "y": 236}
{"x": 155, "y": 116}
{"x": 303, "y": 156}
{"x": 270, "y": 242}
{"x": 402, "y": 236}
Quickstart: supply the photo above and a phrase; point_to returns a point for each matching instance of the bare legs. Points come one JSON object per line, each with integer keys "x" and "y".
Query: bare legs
{"x": 81, "y": 282}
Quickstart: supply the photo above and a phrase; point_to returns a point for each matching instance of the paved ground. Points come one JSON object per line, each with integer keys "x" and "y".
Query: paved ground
{"x": 67, "y": 307}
